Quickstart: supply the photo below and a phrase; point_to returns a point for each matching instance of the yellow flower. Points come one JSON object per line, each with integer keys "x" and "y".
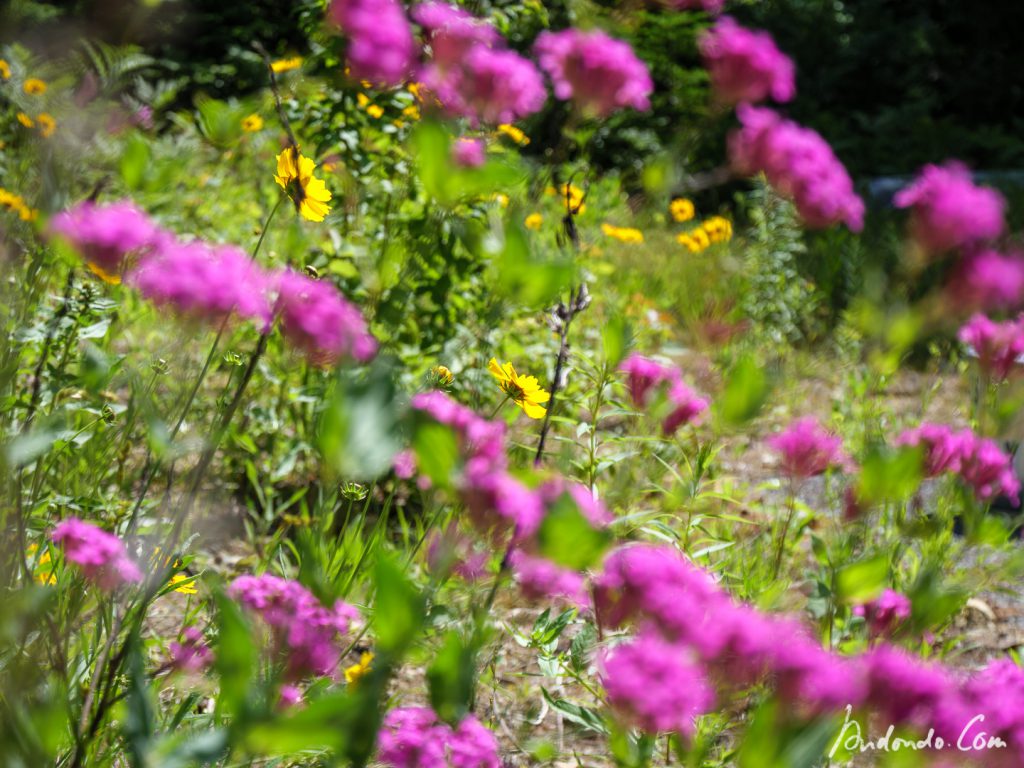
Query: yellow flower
{"x": 295, "y": 176}
{"x": 443, "y": 375}
{"x": 102, "y": 274}
{"x": 24, "y": 119}
{"x": 524, "y": 391}
{"x": 42, "y": 574}
{"x": 501, "y": 199}
{"x": 34, "y": 87}
{"x": 286, "y": 65}
{"x": 414, "y": 89}
{"x": 375, "y": 111}
{"x": 5, "y": 70}
{"x": 514, "y": 133}
{"x": 412, "y": 112}
{"x": 719, "y": 229}
{"x": 701, "y": 237}
{"x": 534, "y": 221}
{"x": 574, "y": 193}
{"x": 623, "y": 234}
{"x": 16, "y": 204}
{"x": 681, "y": 209}
{"x": 252, "y": 123}
{"x": 47, "y": 125}
{"x": 186, "y": 588}
{"x": 356, "y": 671}
{"x": 362, "y": 100}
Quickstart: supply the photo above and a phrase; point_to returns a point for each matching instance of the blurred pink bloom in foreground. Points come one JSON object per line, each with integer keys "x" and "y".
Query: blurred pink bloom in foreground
{"x": 381, "y": 48}
{"x": 100, "y": 556}
{"x": 745, "y": 65}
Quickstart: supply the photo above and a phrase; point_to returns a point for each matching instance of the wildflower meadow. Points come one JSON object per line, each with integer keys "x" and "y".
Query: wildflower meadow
{"x": 505, "y": 383}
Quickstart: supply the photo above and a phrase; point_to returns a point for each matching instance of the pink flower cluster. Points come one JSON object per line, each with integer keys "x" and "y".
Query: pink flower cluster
{"x": 948, "y": 211}
{"x": 653, "y": 686}
{"x": 980, "y": 462}
{"x": 318, "y": 320}
{"x": 713, "y": 7}
{"x": 799, "y": 164}
{"x": 644, "y": 376}
{"x": 806, "y": 448}
{"x": 736, "y": 646}
{"x": 414, "y": 737}
{"x": 469, "y": 153}
{"x": 471, "y": 73}
{"x": 745, "y": 65}
{"x": 191, "y": 654}
{"x": 885, "y": 613}
{"x": 208, "y": 282}
{"x": 997, "y": 345}
{"x": 305, "y": 632}
{"x": 381, "y": 48}
{"x": 987, "y": 280}
{"x": 601, "y": 74}
{"x": 105, "y": 235}
{"x": 100, "y": 556}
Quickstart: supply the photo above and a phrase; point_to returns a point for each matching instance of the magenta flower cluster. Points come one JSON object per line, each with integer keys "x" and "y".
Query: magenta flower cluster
{"x": 745, "y": 65}
{"x": 469, "y": 153}
{"x": 713, "y": 7}
{"x": 885, "y": 613}
{"x": 105, "y": 235}
{"x": 100, "y": 556}
{"x": 694, "y": 620}
{"x": 206, "y": 282}
{"x": 978, "y": 461}
{"x": 805, "y": 448}
{"x": 307, "y": 634}
{"x": 987, "y": 280}
{"x": 644, "y": 376}
{"x": 999, "y": 346}
{"x": 799, "y": 164}
{"x": 599, "y": 73}
{"x": 190, "y": 653}
{"x": 414, "y": 737}
{"x": 381, "y": 48}
{"x": 471, "y": 73}
{"x": 948, "y": 211}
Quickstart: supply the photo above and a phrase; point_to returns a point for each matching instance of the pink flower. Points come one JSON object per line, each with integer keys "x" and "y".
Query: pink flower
{"x": 305, "y": 632}
{"x": 806, "y": 449}
{"x": 498, "y": 503}
{"x": 904, "y": 689}
{"x": 746, "y": 66}
{"x": 713, "y": 7}
{"x": 289, "y": 696}
{"x": 414, "y": 737}
{"x": 989, "y": 472}
{"x": 653, "y": 685}
{"x": 452, "y": 32}
{"x": 478, "y": 438}
{"x": 317, "y": 319}
{"x": 599, "y": 73}
{"x": 997, "y": 345}
{"x": 644, "y": 375}
{"x": 688, "y": 407}
{"x": 944, "y": 448}
{"x": 541, "y": 579}
{"x": 987, "y": 280}
{"x": 948, "y": 210}
{"x": 381, "y": 48}
{"x": 799, "y": 164}
{"x": 204, "y": 282}
{"x": 489, "y": 85}
{"x": 100, "y": 556}
{"x": 451, "y": 551}
{"x": 106, "y": 235}
{"x": 885, "y": 613}
{"x": 469, "y": 153}
{"x": 191, "y": 654}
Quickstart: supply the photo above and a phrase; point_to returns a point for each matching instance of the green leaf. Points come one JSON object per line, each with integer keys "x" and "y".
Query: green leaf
{"x": 321, "y": 724}
{"x": 399, "y": 610}
{"x": 360, "y": 432}
{"x": 236, "y": 660}
{"x": 863, "y": 580}
{"x": 437, "y": 452}
{"x": 567, "y": 538}
{"x": 890, "y": 475}
{"x": 451, "y": 678}
{"x": 139, "y": 719}
{"x": 574, "y": 713}
{"x": 615, "y": 337}
{"x": 746, "y": 390}
{"x": 526, "y": 276}
{"x": 135, "y": 163}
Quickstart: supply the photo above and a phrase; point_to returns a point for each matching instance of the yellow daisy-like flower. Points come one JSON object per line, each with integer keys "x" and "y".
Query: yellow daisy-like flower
{"x": 375, "y": 111}
{"x": 356, "y": 671}
{"x": 46, "y": 124}
{"x": 25, "y": 120}
{"x": 412, "y": 112}
{"x": 681, "y": 209}
{"x": 501, "y": 199}
{"x": 415, "y": 89}
{"x": 44, "y": 567}
{"x": 442, "y": 375}
{"x": 718, "y": 228}
{"x": 186, "y": 588}
{"x": 252, "y": 123}
{"x": 514, "y": 133}
{"x": 524, "y": 391}
{"x": 295, "y": 176}
{"x": 623, "y": 234}
{"x": 534, "y": 221}
{"x": 5, "y": 70}
{"x": 286, "y": 65}
{"x": 34, "y": 87}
